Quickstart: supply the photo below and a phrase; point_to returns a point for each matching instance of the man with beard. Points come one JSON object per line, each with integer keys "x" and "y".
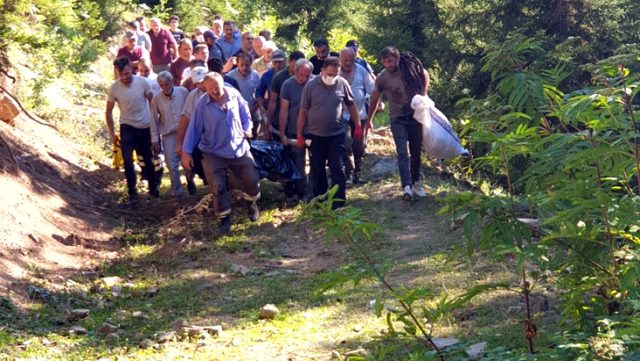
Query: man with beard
{"x": 362, "y": 86}
{"x": 166, "y": 108}
{"x": 132, "y": 94}
{"x": 321, "y": 47}
{"x": 402, "y": 78}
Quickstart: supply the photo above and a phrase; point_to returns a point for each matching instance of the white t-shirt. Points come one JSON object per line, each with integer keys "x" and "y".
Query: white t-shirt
{"x": 132, "y": 102}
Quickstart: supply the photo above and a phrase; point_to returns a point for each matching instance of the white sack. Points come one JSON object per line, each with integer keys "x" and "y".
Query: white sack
{"x": 439, "y": 140}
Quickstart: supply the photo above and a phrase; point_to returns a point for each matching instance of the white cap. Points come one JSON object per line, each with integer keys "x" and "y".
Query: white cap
{"x": 198, "y": 73}
{"x": 269, "y": 45}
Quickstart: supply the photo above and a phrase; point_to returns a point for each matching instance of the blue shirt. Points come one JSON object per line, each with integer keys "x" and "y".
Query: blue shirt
{"x": 230, "y": 47}
{"x": 362, "y": 86}
{"x": 231, "y": 81}
{"x": 265, "y": 83}
{"x": 364, "y": 64}
{"x": 219, "y": 129}
{"x": 247, "y": 85}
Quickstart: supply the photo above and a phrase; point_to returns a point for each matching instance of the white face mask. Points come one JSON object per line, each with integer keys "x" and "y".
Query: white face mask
{"x": 329, "y": 80}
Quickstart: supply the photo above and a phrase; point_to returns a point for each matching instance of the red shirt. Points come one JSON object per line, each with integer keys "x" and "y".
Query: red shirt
{"x": 133, "y": 55}
{"x": 160, "y": 45}
{"x": 176, "y": 69}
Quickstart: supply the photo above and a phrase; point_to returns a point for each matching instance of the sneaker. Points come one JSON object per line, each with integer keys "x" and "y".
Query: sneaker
{"x": 418, "y": 190}
{"x": 253, "y": 212}
{"x": 407, "y": 195}
{"x": 191, "y": 186}
{"x": 225, "y": 224}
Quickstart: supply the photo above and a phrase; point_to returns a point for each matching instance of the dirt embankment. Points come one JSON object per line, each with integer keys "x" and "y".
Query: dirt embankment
{"x": 52, "y": 206}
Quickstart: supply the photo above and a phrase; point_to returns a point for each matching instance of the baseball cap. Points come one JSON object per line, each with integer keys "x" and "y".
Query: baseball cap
{"x": 130, "y": 35}
{"x": 279, "y": 55}
{"x": 198, "y": 73}
{"x": 209, "y": 34}
{"x": 353, "y": 43}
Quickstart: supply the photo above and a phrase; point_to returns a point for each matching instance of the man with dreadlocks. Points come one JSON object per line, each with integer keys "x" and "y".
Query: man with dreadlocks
{"x": 402, "y": 78}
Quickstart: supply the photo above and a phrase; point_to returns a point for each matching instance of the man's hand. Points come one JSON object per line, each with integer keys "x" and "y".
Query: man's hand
{"x": 187, "y": 161}
{"x": 155, "y": 147}
{"x": 283, "y": 140}
{"x": 115, "y": 140}
{"x": 357, "y": 132}
{"x": 229, "y": 64}
{"x": 179, "y": 149}
{"x": 367, "y": 127}
{"x": 300, "y": 141}
{"x": 267, "y": 133}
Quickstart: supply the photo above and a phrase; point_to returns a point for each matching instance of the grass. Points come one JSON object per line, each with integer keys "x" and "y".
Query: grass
{"x": 287, "y": 265}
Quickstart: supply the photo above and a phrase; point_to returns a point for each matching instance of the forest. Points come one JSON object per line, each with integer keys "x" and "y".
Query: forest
{"x": 543, "y": 93}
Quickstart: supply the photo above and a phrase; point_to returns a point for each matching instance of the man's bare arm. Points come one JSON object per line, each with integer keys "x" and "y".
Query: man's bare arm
{"x": 109, "y": 120}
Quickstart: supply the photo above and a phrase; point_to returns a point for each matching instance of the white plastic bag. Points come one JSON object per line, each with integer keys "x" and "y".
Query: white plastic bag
{"x": 439, "y": 140}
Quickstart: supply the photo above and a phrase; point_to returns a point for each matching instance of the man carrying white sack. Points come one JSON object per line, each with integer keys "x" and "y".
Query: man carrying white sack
{"x": 402, "y": 78}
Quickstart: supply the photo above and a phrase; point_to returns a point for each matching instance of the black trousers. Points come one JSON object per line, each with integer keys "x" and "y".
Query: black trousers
{"x": 138, "y": 139}
{"x": 331, "y": 150}
{"x": 355, "y": 149}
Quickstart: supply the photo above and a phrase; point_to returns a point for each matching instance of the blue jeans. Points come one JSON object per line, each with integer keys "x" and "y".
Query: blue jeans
{"x": 407, "y": 130}
{"x": 331, "y": 150}
{"x": 131, "y": 139}
{"x": 172, "y": 160}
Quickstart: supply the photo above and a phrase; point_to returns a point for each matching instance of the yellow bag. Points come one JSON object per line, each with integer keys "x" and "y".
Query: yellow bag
{"x": 117, "y": 157}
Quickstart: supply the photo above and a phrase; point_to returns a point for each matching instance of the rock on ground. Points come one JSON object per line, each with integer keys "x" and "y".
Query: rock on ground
{"x": 476, "y": 351}
{"x": 107, "y": 328}
{"x": 78, "y": 330}
{"x": 445, "y": 342}
{"x": 78, "y": 314}
{"x": 164, "y": 337}
{"x": 384, "y": 167}
{"x": 268, "y": 312}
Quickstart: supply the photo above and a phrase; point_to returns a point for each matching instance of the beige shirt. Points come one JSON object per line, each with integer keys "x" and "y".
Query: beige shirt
{"x": 260, "y": 66}
{"x": 166, "y": 111}
{"x": 192, "y": 99}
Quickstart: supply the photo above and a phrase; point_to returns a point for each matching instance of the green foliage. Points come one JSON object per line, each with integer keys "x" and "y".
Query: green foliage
{"x": 414, "y": 308}
{"x": 567, "y": 202}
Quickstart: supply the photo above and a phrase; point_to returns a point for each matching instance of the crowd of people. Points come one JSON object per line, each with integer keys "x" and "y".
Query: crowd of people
{"x": 201, "y": 99}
